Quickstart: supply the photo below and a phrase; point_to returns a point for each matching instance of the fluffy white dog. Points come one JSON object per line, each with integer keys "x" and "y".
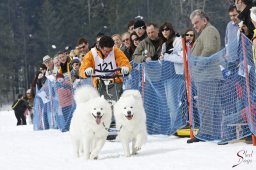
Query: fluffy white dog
{"x": 90, "y": 122}
{"x": 131, "y": 120}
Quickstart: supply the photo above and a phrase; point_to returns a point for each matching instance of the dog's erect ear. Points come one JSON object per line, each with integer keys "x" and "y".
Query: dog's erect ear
{"x": 137, "y": 94}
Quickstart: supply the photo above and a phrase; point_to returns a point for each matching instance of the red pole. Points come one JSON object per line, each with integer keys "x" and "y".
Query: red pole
{"x": 248, "y": 86}
{"x": 188, "y": 89}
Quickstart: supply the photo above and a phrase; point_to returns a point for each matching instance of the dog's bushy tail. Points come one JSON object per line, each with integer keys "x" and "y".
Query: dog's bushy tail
{"x": 85, "y": 93}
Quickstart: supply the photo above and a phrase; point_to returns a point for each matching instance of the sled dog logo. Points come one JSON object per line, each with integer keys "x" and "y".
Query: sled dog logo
{"x": 244, "y": 156}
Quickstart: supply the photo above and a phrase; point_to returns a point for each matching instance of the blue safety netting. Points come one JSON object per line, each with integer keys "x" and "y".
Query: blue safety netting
{"x": 164, "y": 95}
{"x": 222, "y": 93}
{"x": 54, "y": 106}
{"x": 224, "y": 83}
{"x": 45, "y": 110}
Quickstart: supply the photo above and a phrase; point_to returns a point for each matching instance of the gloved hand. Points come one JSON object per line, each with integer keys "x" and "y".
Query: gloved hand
{"x": 124, "y": 70}
{"x": 89, "y": 71}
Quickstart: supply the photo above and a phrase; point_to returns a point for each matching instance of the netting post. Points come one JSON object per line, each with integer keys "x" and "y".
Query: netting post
{"x": 247, "y": 85}
{"x": 188, "y": 89}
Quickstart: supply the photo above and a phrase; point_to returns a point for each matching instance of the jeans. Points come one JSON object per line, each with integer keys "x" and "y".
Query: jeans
{"x": 172, "y": 91}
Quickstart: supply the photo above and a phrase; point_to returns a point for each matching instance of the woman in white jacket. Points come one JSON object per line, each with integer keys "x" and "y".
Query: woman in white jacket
{"x": 172, "y": 52}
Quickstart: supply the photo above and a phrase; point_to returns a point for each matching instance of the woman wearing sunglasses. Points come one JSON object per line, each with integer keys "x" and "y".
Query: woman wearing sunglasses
{"x": 172, "y": 52}
{"x": 134, "y": 38}
{"x": 189, "y": 37}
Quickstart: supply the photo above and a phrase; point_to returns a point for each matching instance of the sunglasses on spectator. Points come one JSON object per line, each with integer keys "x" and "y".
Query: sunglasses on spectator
{"x": 135, "y": 39}
{"x": 127, "y": 39}
{"x": 81, "y": 47}
{"x": 75, "y": 64}
{"x": 140, "y": 28}
{"x": 189, "y": 35}
{"x": 166, "y": 29}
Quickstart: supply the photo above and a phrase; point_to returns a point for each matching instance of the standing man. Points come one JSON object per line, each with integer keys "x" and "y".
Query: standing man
{"x": 105, "y": 58}
{"x": 20, "y": 106}
{"x": 247, "y": 27}
{"x": 232, "y": 26}
{"x": 83, "y": 47}
{"x": 206, "y": 77}
{"x": 150, "y": 48}
{"x": 230, "y": 80}
{"x": 65, "y": 68}
{"x": 130, "y": 26}
{"x": 117, "y": 41}
{"x": 126, "y": 48}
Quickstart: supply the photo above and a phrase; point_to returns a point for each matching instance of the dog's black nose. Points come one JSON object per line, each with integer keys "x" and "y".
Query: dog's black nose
{"x": 129, "y": 112}
{"x": 98, "y": 113}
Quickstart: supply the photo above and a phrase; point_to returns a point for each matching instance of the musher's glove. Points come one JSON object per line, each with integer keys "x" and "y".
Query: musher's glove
{"x": 88, "y": 71}
{"x": 124, "y": 70}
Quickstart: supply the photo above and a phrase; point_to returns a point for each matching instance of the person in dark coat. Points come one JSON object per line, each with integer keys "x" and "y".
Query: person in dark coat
{"x": 20, "y": 106}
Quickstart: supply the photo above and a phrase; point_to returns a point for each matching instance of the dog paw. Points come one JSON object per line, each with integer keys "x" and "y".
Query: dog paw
{"x": 134, "y": 153}
{"x": 127, "y": 155}
{"x": 93, "y": 157}
{"x": 137, "y": 148}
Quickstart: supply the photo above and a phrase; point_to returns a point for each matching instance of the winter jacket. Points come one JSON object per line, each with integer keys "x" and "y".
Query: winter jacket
{"x": 207, "y": 43}
{"x": 145, "y": 49}
{"x": 88, "y": 61}
{"x": 245, "y": 17}
{"x": 175, "y": 55}
{"x": 20, "y": 106}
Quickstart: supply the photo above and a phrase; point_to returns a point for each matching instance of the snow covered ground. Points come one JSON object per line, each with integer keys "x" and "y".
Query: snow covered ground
{"x": 21, "y": 148}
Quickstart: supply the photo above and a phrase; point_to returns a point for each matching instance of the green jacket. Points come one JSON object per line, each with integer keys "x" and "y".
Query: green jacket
{"x": 144, "y": 49}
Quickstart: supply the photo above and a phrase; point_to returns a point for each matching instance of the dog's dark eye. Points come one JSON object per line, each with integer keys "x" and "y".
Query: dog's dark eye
{"x": 101, "y": 108}
{"x": 94, "y": 109}
{"x": 131, "y": 107}
{"x": 124, "y": 107}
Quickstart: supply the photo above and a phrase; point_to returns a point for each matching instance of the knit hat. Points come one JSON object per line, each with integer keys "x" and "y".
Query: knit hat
{"x": 59, "y": 75}
{"x": 139, "y": 23}
{"x": 19, "y": 96}
{"x": 75, "y": 60}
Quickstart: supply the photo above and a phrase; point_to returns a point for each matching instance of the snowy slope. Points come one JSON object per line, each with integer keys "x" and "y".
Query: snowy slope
{"x": 24, "y": 149}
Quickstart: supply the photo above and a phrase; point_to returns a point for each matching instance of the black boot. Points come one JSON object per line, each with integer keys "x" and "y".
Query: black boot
{"x": 193, "y": 140}
{"x": 248, "y": 140}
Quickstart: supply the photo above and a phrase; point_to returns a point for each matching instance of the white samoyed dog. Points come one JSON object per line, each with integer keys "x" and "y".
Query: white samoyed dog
{"x": 131, "y": 121}
{"x": 90, "y": 122}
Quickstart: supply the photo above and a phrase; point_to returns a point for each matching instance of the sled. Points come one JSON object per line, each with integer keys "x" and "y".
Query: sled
{"x": 185, "y": 132}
